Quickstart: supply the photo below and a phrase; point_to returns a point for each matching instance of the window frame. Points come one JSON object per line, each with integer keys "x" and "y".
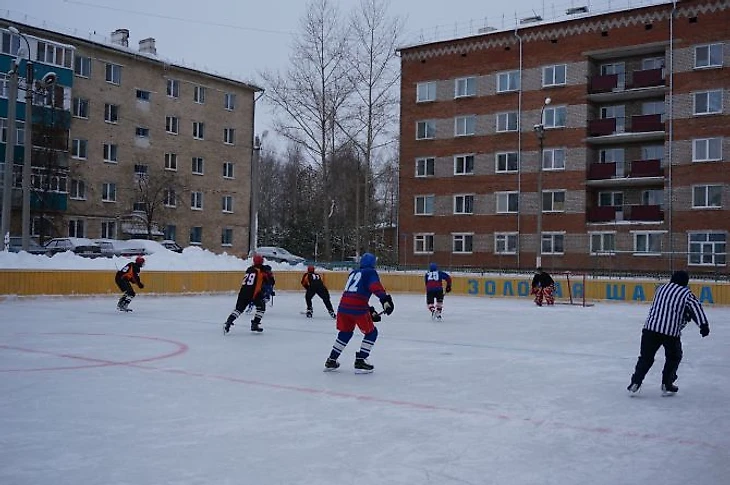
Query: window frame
{"x": 198, "y": 130}
{"x": 512, "y": 86}
{"x": 465, "y": 87}
{"x": 141, "y": 132}
{"x": 551, "y": 238}
{"x": 79, "y": 145}
{"x": 171, "y": 161}
{"x": 465, "y": 239}
{"x": 466, "y": 161}
{"x": 109, "y": 192}
{"x": 708, "y": 102}
{"x": 229, "y": 101}
{"x": 708, "y": 148}
{"x": 229, "y": 136}
{"x": 508, "y": 196}
{"x": 197, "y": 166}
{"x": 503, "y": 239}
{"x": 708, "y": 196}
{"x": 429, "y": 128}
{"x": 554, "y": 75}
{"x": 463, "y": 204}
{"x": 169, "y": 198}
{"x": 143, "y": 95}
{"x": 709, "y": 64}
{"x": 109, "y": 73}
{"x": 111, "y": 113}
{"x": 423, "y": 243}
{"x": 79, "y": 60}
{"x": 506, "y": 156}
{"x": 229, "y": 170}
{"x": 226, "y": 237}
{"x": 77, "y": 189}
{"x": 173, "y": 88}
{"x": 552, "y": 195}
{"x": 199, "y": 94}
{"x": 172, "y": 125}
{"x": 430, "y": 97}
{"x": 110, "y": 153}
{"x": 550, "y": 154}
{"x": 462, "y": 125}
{"x": 707, "y": 241}
{"x": 424, "y": 163}
{"x": 555, "y": 112}
{"x": 507, "y": 117}
{"x": 196, "y": 200}
{"x": 227, "y": 204}
{"x": 427, "y": 201}
{"x": 80, "y": 108}
{"x": 603, "y": 236}
{"x": 650, "y": 236}
{"x": 198, "y": 232}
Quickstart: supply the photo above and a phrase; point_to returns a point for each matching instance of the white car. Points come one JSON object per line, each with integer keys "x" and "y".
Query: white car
{"x": 278, "y": 255}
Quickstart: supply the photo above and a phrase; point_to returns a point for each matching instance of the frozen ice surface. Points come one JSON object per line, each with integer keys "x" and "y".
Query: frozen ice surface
{"x": 499, "y": 392}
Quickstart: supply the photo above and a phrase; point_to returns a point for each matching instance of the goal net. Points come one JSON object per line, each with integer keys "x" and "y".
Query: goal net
{"x": 570, "y": 289}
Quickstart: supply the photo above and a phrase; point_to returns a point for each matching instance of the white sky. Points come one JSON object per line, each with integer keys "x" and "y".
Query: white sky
{"x": 500, "y": 392}
{"x": 243, "y": 38}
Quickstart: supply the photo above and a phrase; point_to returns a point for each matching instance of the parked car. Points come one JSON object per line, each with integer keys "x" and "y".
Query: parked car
{"x": 79, "y": 245}
{"x": 279, "y": 255}
{"x": 16, "y": 245}
{"x": 171, "y": 245}
{"x": 117, "y": 247}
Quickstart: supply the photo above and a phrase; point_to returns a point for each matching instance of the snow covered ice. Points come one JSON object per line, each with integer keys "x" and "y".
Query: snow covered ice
{"x": 499, "y": 392}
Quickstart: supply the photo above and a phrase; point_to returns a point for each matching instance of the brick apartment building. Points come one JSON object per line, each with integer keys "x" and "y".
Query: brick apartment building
{"x": 635, "y": 143}
{"x": 142, "y": 140}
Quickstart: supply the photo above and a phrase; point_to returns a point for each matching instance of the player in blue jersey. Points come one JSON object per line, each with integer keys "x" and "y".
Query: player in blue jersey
{"x": 355, "y": 311}
{"x": 435, "y": 289}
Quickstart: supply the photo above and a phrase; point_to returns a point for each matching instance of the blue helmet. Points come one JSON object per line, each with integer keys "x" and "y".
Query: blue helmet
{"x": 433, "y": 267}
{"x": 368, "y": 260}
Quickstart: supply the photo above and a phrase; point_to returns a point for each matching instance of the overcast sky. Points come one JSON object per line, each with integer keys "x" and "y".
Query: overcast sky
{"x": 241, "y": 38}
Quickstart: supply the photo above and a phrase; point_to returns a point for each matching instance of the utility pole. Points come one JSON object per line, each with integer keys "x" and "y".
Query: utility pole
{"x": 540, "y": 132}
{"x": 9, "y": 150}
{"x": 27, "y": 162}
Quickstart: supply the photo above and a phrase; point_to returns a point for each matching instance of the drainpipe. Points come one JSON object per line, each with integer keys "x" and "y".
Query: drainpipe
{"x": 670, "y": 154}
{"x": 519, "y": 152}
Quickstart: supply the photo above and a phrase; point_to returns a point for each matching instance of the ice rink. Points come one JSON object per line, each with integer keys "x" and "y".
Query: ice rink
{"x": 499, "y": 392}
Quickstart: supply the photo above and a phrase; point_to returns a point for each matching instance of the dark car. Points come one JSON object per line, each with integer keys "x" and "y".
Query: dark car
{"x": 16, "y": 245}
{"x": 171, "y": 245}
{"x": 279, "y": 255}
{"x": 116, "y": 247}
{"x": 79, "y": 245}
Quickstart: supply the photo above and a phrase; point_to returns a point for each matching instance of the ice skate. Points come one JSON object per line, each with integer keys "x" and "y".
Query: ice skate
{"x": 438, "y": 315}
{"x": 362, "y": 366}
{"x": 333, "y": 314}
{"x": 308, "y": 313}
{"x": 256, "y": 327}
{"x": 330, "y": 365}
{"x": 227, "y": 327}
{"x": 669, "y": 389}
{"x": 633, "y": 388}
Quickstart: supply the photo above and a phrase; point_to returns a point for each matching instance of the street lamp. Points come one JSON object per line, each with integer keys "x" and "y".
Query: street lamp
{"x": 9, "y": 152}
{"x": 254, "y": 215}
{"x": 540, "y": 132}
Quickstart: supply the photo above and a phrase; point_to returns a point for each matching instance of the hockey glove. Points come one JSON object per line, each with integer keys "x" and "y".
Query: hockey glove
{"x": 704, "y": 330}
{"x": 387, "y": 303}
{"x": 448, "y": 288}
{"x": 375, "y": 315}
{"x": 141, "y": 285}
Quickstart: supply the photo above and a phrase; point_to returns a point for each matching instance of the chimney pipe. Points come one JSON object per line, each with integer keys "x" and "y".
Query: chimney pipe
{"x": 147, "y": 46}
{"x": 121, "y": 37}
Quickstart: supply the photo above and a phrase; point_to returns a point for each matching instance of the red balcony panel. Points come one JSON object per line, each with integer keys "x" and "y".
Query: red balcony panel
{"x": 606, "y": 126}
{"x": 641, "y": 123}
{"x": 648, "y": 78}
{"x": 600, "y": 171}
{"x": 646, "y": 213}
{"x": 646, "y": 168}
{"x": 602, "y": 214}
{"x": 602, "y": 84}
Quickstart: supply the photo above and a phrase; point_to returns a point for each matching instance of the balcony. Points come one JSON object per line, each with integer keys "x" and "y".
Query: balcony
{"x": 646, "y": 168}
{"x": 625, "y": 214}
{"x": 631, "y": 85}
{"x": 604, "y": 131}
{"x": 603, "y": 83}
{"x": 644, "y": 123}
{"x": 602, "y": 127}
{"x": 602, "y": 171}
{"x": 48, "y": 201}
{"x": 646, "y": 78}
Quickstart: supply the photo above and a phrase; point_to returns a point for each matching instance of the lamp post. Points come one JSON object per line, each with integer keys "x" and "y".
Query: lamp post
{"x": 540, "y": 132}
{"x": 9, "y": 151}
{"x": 254, "y": 216}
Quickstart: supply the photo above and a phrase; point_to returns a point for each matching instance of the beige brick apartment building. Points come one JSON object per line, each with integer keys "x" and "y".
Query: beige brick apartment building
{"x": 635, "y": 147}
{"x": 154, "y": 140}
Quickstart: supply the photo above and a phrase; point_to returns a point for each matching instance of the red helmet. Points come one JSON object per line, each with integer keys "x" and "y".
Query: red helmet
{"x": 258, "y": 260}
{"x": 310, "y": 269}
{"x": 139, "y": 260}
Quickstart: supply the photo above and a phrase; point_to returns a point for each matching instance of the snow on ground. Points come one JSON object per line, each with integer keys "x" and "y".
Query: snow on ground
{"x": 500, "y": 392}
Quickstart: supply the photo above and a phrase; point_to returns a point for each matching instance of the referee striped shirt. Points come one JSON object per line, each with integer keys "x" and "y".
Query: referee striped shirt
{"x": 667, "y": 312}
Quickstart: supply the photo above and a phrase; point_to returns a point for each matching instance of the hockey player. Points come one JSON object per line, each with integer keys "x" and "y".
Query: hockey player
{"x": 673, "y": 307}
{"x": 125, "y": 277}
{"x": 355, "y": 311}
{"x": 314, "y": 284}
{"x": 543, "y": 286}
{"x": 251, "y": 292}
{"x": 435, "y": 289}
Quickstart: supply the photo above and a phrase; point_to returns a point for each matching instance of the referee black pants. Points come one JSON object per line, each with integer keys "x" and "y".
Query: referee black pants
{"x": 650, "y": 343}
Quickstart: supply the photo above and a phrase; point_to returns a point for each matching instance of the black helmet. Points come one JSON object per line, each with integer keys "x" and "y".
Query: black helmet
{"x": 680, "y": 278}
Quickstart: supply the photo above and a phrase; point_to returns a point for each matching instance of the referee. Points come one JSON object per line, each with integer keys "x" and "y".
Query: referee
{"x": 674, "y": 305}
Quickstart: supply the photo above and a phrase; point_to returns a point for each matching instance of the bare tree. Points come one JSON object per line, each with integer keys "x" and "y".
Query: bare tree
{"x": 155, "y": 190}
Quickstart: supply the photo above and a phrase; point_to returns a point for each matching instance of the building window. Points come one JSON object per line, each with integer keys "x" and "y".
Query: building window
{"x": 506, "y": 162}
{"x": 113, "y": 73}
{"x": 707, "y": 196}
{"x": 652, "y": 152}
{"x": 53, "y": 54}
{"x": 553, "y": 243}
{"x": 423, "y": 243}
{"x": 508, "y": 81}
{"x": 708, "y": 56}
{"x": 110, "y": 153}
{"x": 463, "y": 204}
{"x": 169, "y": 198}
{"x": 229, "y": 101}
{"x": 707, "y": 149}
{"x": 553, "y": 159}
{"x": 111, "y": 113}
{"x": 196, "y": 200}
{"x": 463, "y": 164}
{"x": 76, "y": 228}
{"x": 142, "y": 132}
{"x": 198, "y": 130}
{"x": 652, "y": 197}
{"x": 228, "y": 170}
{"x": 227, "y": 204}
{"x": 19, "y": 131}
{"x": 170, "y": 232}
{"x": 141, "y": 171}
{"x": 171, "y": 161}
{"x": 78, "y": 148}
{"x": 507, "y": 121}
{"x": 708, "y": 248}
{"x": 229, "y": 136}
{"x": 196, "y": 235}
{"x": 425, "y": 167}
{"x": 173, "y": 88}
{"x": 227, "y": 237}
{"x": 648, "y": 243}
{"x": 10, "y": 43}
{"x": 426, "y": 92}
{"x": 197, "y": 165}
{"x": 507, "y": 202}
{"x": 553, "y": 201}
{"x": 143, "y": 95}
{"x": 708, "y": 102}
{"x": 465, "y": 125}
{"x": 425, "y": 130}
{"x": 171, "y": 124}
{"x": 505, "y": 243}
{"x": 139, "y": 206}
{"x": 78, "y": 190}
{"x": 465, "y": 86}
{"x": 652, "y": 63}
{"x": 81, "y": 108}
{"x": 199, "y": 94}
{"x": 554, "y": 75}
{"x": 424, "y": 205}
{"x": 610, "y": 199}
{"x": 603, "y": 243}
{"x": 462, "y": 243}
{"x": 555, "y": 117}
{"x": 108, "y": 229}
{"x": 82, "y": 66}
{"x": 109, "y": 192}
